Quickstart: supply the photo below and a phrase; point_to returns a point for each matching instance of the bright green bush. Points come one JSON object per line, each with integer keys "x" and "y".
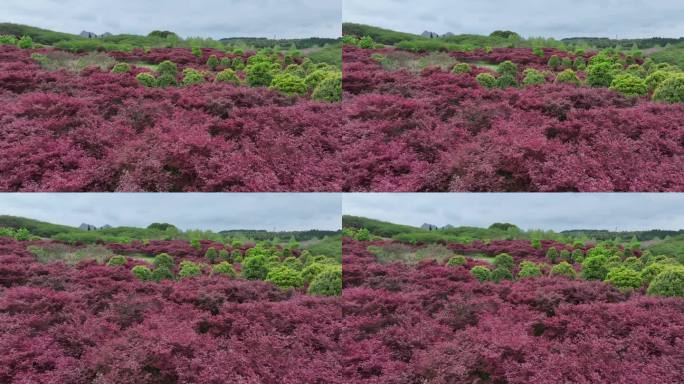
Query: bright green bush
{"x": 533, "y": 77}
{"x": 285, "y": 277}
{"x": 327, "y": 283}
{"x": 142, "y": 272}
{"x": 554, "y": 62}
{"x": 565, "y": 255}
{"x": 289, "y": 84}
{"x": 507, "y": 68}
{"x": 651, "y": 271}
{"x": 669, "y": 282}
{"x": 164, "y": 260}
{"x": 314, "y": 78}
{"x": 197, "y": 52}
{"x": 227, "y": 76}
{"x": 212, "y": 62}
{"x": 238, "y": 64}
{"x": 528, "y": 269}
{"x": 166, "y": 80}
{"x": 211, "y": 254}
{"x": 594, "y": 267}
{"x": 8, "y": 40}
{"x": 636, "y": 70}
{"x": 536, "y": 243}
{"x": 461, "y": 68}
{"x": 504, "y": 260}
{"x": 366, "y": 42}
{"x": 655, "y": 78}
{"x": 633, "y": 263}
{"x": 261, "y": 74}
{"x": 566, "y": 62}
{"x": 350, "y": 40}
{"x": 481, "y": 273}
{"x": 238, "y": 51}
{"x": 500, "y": 273}
{"x": 236, "y": 256}
{"x": 121, "y": 68}
{"x": 577, "y": 256}
{"x": 563, "y": 269}
{"x": 116, "y": 261}
{"x": 629, "y": 85}
{"x": 189, "y": 269}
{"x": 579, "y": 64}
{"x": 486, "y": 80}
{"x": 225, "y": 62}
{"x": 600, "y": 74}
{"x": 362, "y": 234}
{"x": 225, "y": 255}
{"x": 506, "y": 81}
{"x": 255, "y": 267}
{"x": 670, "y": 90}
{"x": 192, "y": 77}
{"x": 146, "y": 79}
{"x": 22, "y": 234}
{"x": 223, "y": 268}
{"x": 329, "y": 89}
{"x": 568, "y": 76}
{"x": 552, "y": 255}
{"x": 295, "y": 70}
{"x": 624, "y": 278}
{"x": 456, "y": 261}
{"x": 538, "y": 51}
{"x": 26, "y": 42}
{"x": 311, "y": 271}
{"x": 168, "y": 67}
{"x": 162, "y": 273}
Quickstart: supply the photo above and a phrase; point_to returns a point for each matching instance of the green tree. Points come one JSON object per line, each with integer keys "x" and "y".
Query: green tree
{"x": 366, "y": 42}
{"x": 26, "y": 42}
{"x": 255, "y": 267}
{"x": 164, "y": 260}
{"x": 192, "y": 77}
{"x": 162, "y": 273}
{"x": 227, "y": 76}
{"x": 507, "y": 68}
{"x": 552, "y": 255}
{"x": 311, "y": 271}
{"x": 600, "y": 75}
{"x": 554, "y": 62}
{"x": 196, "y": 51}
{"x": 629, "y": 85}
{"x": 211, "y": 254}
{"x": 212, "y": 62}
{"x": 500, "y": 273}
{"x": 261, "y": 74}
{"x": 504, "y": 260}
{"x": 594, "y": 267}
{"x": 285, "y": 277}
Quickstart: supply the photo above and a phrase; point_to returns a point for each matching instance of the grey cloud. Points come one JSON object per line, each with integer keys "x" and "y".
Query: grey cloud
{"x": 557, "y": 211}
{"x": 215, "y": 211}
{"x": 610, "y": 18}
{"x": 201, "y": 18}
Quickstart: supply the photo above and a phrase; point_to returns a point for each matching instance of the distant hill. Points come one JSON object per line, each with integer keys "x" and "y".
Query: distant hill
{"x": 36, "y": 227}
{"x": 262, "y": 42}
{"x": 379, "y": 35}
{"x": 268, "y": 235}
{"x": 625, "y": 235}
{"x": 39, "y": 35}
{"x": 377, "y": 227}
{"x": 604, "y": 42}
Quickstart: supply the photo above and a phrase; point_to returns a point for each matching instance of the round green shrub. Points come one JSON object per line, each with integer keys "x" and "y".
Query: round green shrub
{"x": 670, "y": 90}
{"x": 624, "y": 278}
{"x": 568, "y": 76}
{"x": 142, "y": 273}
{"x": 238, "y": 51}
{"x": 327, "y": 283}
{"x": 669, "y": 282}
{"x": 293, "y": 262}
{"x": 504, "y": 260}
{"x": 528, "y": 269}
{"x": 629, "y": 85}
{"x": 26, "y": 42}
{"x": 162, "y": 273}
{"x": 146, "y": 79}
{"x": 314, "y": 78}
{"x": 196, "y": 244}
{"x": 579, "y": 64}
{"x": 225, "y": 62}
{"x": 577, "y": 256}
{"x": 116, "y": 261}
{"x": 166, "y": 80}
{"x": 500, "y": 273}
{"x": 261, "y": 74}
{"x": 507, "y": 68}
{"x": 366, "y": 42}
{"x": 227, "y": 76}
{"x": 121, "y": 68}
{"x": 225, "y": 255}
{"x": 636, "y": 70}
{"x": 329, "y": 89}
{"x": 536, "y": 243}
{"x": 350, "y": 40}
{"x": 236, "y": 256}
{"x": 197, "y": 52}
{"x": 554, "y": 62}
{"x": 285, "y": 277}
{"x": 8, "y": 40}
{"x": 651, "y": 271}
{"x": 255, "y": 267}
{"x": 486, "y": 80}
{"x": 594, "y": 267}
{"x": 600, "y": 74}
{"x": 212, "y": 62}
{"x": 566, "y": 62}
{"x": 295, "y": 70}
{"x": 192, "y": 77}
{"x": 189, "y": 269}
{"x": 223, "y": 268}
{"x": 552, "y": 255}
{"x": 481, "y": 273}
{"x": 289, "y": 84}
{"x": 538, "y": 51}
{"x": 211, "y": 254}
{"x": 533, "y": 77}
{"x": 456, "y": 261}
{"x": 563, "y": 269}
{"x": 164, "y": 260}
{"x": 633, "y": 263}
{"x": 506, "y": 81}
{"x": 565, "y": 255}
{"x": 168, "y": 67}
{"x": 238, "y": 64}
{"x": 461, "y": 68}
{"x": 655, "y": 78}
{"x": 311, "y": 271}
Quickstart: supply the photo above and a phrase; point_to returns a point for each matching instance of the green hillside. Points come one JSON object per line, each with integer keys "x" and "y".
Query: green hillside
{"x": 39, "y": 35}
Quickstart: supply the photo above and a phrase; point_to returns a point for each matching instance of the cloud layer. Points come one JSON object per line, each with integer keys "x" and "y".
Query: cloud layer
{"x": 201, "y": 18}
{"x": 560, "y": 19}
{"x": 215, "y": 211}
{"x": 557, "y": 211}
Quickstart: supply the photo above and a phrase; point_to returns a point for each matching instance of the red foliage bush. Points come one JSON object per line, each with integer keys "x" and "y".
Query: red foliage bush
{"x": 433, "y": 323}
{"x": 437, "y": 131}
{"x": 98, "y": 131}
{"x": 93, "y": 323}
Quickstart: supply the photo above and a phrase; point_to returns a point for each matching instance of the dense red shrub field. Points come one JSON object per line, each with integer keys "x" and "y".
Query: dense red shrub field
{"x": 438, "y": 131}
{"x": 100, "y": 131}
{"x": 96, "y": 324}
{"x": 437, "y": 324}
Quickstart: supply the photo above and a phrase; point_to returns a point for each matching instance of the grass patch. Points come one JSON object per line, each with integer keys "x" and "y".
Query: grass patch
{"x": 482, "y": 64}
{"x": 398, "y": 60}
{"x": 152, "y": 67}
{"x": 486, "y": 259}
{"x": 56, "y": 60}
{"x": 330, "y": 246}
{"x": 404, "y": 253}
{"x": 69, "y": 254}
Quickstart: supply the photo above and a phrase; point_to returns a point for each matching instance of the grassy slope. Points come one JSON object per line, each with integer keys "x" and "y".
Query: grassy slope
{"x": 36, "y": 227}
{"x": 379, "y": 35}
{"x": 39, "y": 35}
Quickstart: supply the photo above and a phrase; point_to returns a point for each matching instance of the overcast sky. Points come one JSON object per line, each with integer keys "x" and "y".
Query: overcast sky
{"x": 559, "y": 19}
{"x": 556, "y": 211}
{"x": 215, "y": 211}
{"x": 203, "y": 18}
